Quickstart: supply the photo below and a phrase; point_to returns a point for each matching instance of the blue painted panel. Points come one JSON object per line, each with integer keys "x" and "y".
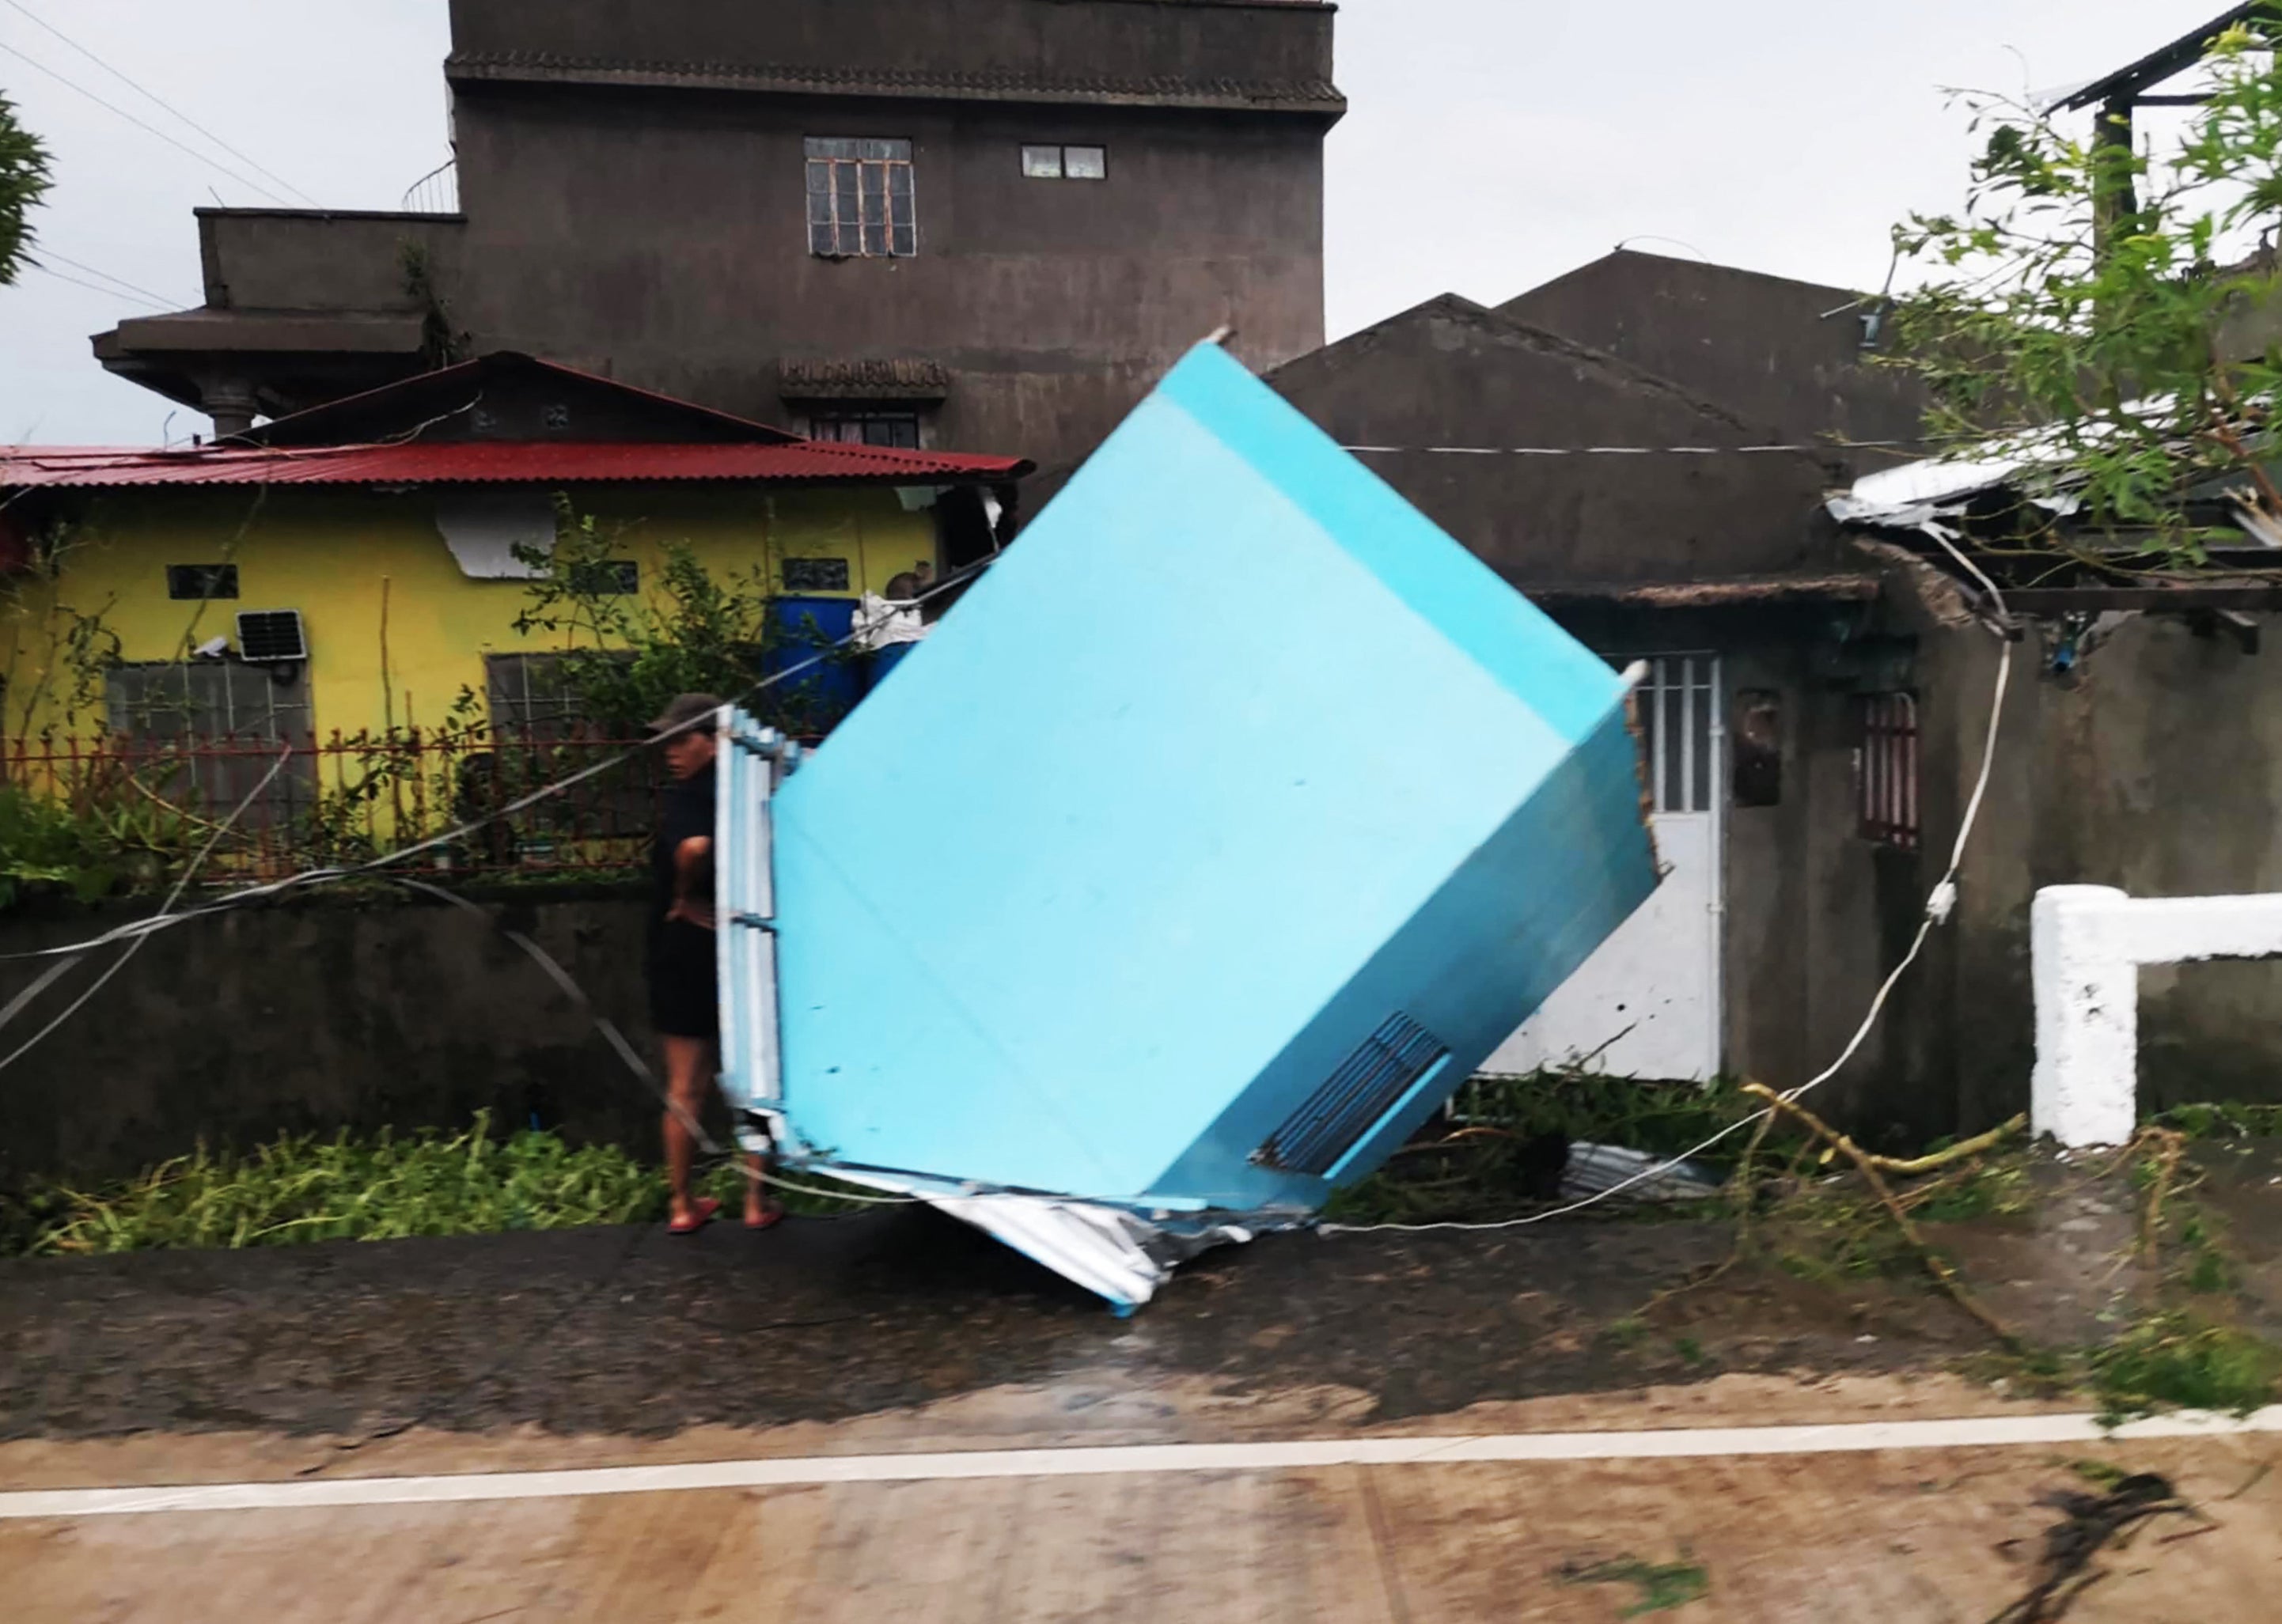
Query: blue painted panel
{"x": 1231, "y": 756}
{"x": 815, "y": 698}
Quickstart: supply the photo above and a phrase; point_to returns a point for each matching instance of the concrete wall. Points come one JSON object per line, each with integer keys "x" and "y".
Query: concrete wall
{"x": 634, "y": 187}
{"x": 1451, "y": 373}
{"x": 661, "y": 238}
{"x": 324, "y": 1015}
{"x": 1788, "y": 356}
{"x": 1193, "y": 41}
{"x": 264, "y": 260}
{"x": 2154, "y": 767}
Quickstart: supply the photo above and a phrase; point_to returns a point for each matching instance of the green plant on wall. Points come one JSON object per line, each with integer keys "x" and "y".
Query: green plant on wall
{"x": 2115, "y": 295}
{"x": 687, "y": 631}
{"x": 441, "y": 344}
{"x": 61, "y": 654}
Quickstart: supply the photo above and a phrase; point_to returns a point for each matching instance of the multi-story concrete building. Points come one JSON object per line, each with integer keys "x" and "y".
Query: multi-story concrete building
{"x": 947, "y": 224}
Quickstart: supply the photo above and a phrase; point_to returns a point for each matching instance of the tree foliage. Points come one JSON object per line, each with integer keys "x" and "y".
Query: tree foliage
{"x": 2116, "y": 300}
{"x": 683, "y": 631}
{"x": 24, "y": 178}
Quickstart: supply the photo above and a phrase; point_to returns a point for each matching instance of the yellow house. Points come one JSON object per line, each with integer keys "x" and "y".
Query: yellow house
{"x": 362, "y": 565}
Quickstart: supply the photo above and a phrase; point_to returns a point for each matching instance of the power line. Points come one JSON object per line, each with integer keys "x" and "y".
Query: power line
{"x": 158, "y": 100}
{"x": 132, "y": 298}
{"x": 142, "y": 125}
{"x": 157, "y": 298}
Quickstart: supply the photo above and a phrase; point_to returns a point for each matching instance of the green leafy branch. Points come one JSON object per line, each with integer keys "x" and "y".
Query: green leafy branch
{"x": 2118, "y": 303}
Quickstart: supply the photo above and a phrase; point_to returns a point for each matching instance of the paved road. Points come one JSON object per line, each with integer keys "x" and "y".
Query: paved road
{"x": 893, "y": 1336}
{"x": 1943, "y": 1535}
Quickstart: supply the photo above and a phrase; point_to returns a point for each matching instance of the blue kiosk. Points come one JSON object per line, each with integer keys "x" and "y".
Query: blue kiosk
{"x": 1231, "y": 821}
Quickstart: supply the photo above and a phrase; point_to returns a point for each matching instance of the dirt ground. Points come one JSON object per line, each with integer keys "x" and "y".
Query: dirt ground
{"x": 903, "y": 1330}
{"x": 635, "y": 1331}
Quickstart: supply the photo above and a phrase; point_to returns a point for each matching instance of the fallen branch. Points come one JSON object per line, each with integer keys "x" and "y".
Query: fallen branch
{"x": 1943, "y": 1274}
{"x": 2172, "y": 1148}
{"x": 1979, "y": 1146}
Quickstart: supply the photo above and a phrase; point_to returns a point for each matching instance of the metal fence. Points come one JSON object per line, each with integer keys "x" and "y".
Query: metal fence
{"x": 346, "y": 798}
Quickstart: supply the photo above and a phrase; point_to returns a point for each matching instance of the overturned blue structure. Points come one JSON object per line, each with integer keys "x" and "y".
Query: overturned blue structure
{"x": 1228, "y": 824}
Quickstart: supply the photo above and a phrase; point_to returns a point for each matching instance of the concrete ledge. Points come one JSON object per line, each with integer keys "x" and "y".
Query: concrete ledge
{"x": 2090, "y": 943}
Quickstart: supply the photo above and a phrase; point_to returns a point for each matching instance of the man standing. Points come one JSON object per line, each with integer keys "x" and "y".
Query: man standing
{"x": 683, "y": 987}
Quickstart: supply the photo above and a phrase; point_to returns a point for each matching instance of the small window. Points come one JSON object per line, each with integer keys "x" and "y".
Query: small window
{"x": 816, "y": 575}
{"x": 1886, "y": 770}
{"x": 1674, "y": 708}
{"x": 1066, "y": 163}
{"x": 201, "y": 583}
{"x": 615, "y": 577}
{"x": 860, "y": 200}
{"x": 895, "y": 430}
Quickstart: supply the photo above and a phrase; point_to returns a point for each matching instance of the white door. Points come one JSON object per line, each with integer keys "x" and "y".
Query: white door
{"x": 1647, "y": 1004}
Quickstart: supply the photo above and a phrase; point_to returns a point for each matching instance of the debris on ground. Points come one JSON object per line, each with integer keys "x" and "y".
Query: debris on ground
{"x": 2091, "y": 1525}
{"x": 1594, "y": 1170}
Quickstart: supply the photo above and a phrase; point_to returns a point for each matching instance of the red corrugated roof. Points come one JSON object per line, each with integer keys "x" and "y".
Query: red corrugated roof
{"x": 497, "y": 462}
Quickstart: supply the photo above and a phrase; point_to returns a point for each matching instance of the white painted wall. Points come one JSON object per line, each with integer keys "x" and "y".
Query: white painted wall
{"x": 2090, "y": 943}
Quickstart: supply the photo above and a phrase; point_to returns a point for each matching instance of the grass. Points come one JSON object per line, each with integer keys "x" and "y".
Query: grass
{"x": 1662, "y": 1587}
{"x": 2225, "y": 1121}
{"x": 2180, "y": 1360}
{"x": 383, "y": 1187}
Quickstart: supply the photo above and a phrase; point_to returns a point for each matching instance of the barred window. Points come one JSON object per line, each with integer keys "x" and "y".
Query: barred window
{"x": 1674, "y": 707}
{"x": 1886, "y": 770}
{"x": 214, "y": 700}
{"x": 530, "y": 696}
{"x": 860, "y": 199}
{"x": 205, "y": 734}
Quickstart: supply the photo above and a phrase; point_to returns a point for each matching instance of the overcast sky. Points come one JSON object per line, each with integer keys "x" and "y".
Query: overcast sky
{"x": 1493, "y": 143}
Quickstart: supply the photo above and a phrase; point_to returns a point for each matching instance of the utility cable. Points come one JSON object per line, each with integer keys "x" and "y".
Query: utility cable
{"x": 133, "y": 298}
{"x": 1939, "y": 905}
{"x": 154, "y": 97}
{"x": 160, "y": 299}
{"x": 182, "y": 884}
{"x": 144, "y": 125}
{"x": 626, "y": 1052}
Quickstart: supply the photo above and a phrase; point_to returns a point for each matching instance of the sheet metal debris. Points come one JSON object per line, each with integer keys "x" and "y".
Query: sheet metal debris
{"x": 1228, "y": 823}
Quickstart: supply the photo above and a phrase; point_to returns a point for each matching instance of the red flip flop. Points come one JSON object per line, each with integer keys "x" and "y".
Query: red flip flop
{"x": 771, "y": 1216}
{"x": 699, "y": 1215}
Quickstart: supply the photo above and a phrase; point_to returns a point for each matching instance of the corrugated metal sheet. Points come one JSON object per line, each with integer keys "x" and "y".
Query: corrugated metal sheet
{"x": 492, "y": 462}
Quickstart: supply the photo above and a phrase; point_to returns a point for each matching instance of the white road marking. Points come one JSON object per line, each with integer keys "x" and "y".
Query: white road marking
{"x": 1856, "y": 1437}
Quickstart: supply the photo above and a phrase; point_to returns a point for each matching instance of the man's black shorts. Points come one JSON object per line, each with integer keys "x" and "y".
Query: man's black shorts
{"x": 683, "y": 995}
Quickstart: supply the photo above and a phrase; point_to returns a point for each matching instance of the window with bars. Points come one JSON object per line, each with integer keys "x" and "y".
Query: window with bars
{"x": 530, "y": 697}
{"x": 206, "y": 699}
{"x": 211, "y": 729}
{"x": 1886, "y": 770}
{"x": 892, "y": 429}
{"x": 861, "y": 202}
{"x": 1675, "y": 709}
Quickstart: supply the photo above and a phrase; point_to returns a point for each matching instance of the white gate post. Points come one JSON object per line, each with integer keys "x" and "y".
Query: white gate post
{"x": 2090, "y": 942}
{"x": 2085, "y": 1088}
